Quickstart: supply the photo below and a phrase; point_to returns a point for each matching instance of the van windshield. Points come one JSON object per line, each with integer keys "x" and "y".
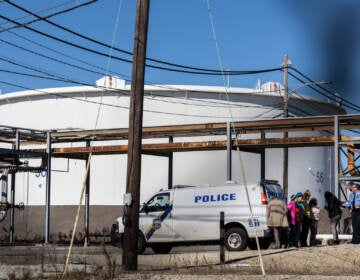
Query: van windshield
{"x": 274, "y": 190}
{"x": 158, "y": 202}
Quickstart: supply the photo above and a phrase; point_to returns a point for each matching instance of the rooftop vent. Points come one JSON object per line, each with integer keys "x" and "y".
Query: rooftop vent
{"x": 111, "y": 82}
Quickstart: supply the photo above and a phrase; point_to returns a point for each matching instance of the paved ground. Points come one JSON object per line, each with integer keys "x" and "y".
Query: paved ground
{"x": 322, "y": 262}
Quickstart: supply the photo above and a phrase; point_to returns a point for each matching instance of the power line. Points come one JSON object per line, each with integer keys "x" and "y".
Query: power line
{"x": 65, "y": 79}
{"x": 44, "y": 18}
{"x": 41, "y": 11}
{"x": 82, "y": 68}
{"x": 57, "y": 77}
{"x": 337, "y": 97}
{"x": 66, "y": 55}
{"x": 51, "y": 58}
{"x": 199, "y": 71}
{"x": 53, "y": 77}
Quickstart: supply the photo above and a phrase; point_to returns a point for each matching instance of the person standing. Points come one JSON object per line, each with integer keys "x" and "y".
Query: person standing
{"x": 354, "y": 204}
{"x": 277, "y": 218}
{"x": 333, "y": 205}
{"x": 295, "y": 215}
{"x": 315, "y": 217}
{"x": 306, "y": 221}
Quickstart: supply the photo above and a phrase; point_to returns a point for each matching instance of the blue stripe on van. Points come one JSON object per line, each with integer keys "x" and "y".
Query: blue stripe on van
{"x": 162, "y": 216}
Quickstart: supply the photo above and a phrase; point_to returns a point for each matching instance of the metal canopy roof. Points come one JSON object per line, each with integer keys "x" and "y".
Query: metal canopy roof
{"x": 252, "y": 129}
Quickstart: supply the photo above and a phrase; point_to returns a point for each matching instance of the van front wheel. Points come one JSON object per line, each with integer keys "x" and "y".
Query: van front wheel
{"x": 235, "y": 239}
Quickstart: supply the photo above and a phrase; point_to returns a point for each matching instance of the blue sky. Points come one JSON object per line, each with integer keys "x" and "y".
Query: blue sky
{"x": 322, "y": 39}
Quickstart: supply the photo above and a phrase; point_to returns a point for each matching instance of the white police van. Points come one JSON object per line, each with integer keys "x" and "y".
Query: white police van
{"x": 188, "y": 215}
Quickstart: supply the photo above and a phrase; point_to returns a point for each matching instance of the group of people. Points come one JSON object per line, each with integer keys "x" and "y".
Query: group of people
{"x": 302, "y": 215}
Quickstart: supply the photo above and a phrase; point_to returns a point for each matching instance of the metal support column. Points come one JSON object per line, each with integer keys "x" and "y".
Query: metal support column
{"x": 48, "y": 188}
{"x": 87, "y": 202}
{"x": 16, "y": 146}
{"x": 336, "y": 157}
{"x": 262, "y": 159}
{"x": 229, "y": 152}
{"x": 170, "y": 168}
{"x": 285, "y": 65}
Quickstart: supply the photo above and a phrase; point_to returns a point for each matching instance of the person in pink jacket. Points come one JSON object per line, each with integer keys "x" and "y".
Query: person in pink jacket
{"x": 294, "y": 220}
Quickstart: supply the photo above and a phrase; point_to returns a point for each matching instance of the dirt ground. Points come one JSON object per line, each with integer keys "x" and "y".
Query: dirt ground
{"x": 321, "y": 262}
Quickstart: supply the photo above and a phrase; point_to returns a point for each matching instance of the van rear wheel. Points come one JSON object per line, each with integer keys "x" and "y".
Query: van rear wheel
{"x": 235, "y": 239}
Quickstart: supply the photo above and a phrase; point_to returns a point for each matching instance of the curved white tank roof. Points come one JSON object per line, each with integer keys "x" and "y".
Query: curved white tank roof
{"x": 79, "y": 108}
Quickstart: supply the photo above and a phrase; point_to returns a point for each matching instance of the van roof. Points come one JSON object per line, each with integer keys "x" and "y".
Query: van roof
{"x": 184, "y": 186}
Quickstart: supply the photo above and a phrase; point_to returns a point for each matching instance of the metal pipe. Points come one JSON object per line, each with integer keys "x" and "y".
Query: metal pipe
{"x": 48, "y": 188}
{"x": 170, "y": 168}
{"x": 16, "y": 146}
{"x": 336, "y": 157}
{"x": 262, "y": 159}
{"x": 229, "y": 151}
{"x": 87, "y": 202}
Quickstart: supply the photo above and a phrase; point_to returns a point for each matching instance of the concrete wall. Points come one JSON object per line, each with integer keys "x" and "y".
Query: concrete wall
{"x": 30, "y": 223}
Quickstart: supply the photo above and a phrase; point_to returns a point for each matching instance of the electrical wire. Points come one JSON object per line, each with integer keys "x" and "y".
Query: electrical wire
{"x": 200, "y": 72}
{"x": 75, "y": 66}
{"x": 45, "y": 18}
{"x": 51, "y": 58}
{"x": 67, "y": 56}
{"x": 82, "y": 83}
{"x": 356, "y": 108}
{"x": 334, "y": 97}
{"x": 61, "y": 78}
{"x": 220, "y": 72}
{"x": 41, "y": 11}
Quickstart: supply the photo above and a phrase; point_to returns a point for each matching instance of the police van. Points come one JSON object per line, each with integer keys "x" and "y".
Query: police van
{"x": 186, "y": 215}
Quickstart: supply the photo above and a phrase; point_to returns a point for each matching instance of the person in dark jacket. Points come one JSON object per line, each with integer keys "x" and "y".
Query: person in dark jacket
{"x": 306, "y": 221}
{"x": 333, "y": 205}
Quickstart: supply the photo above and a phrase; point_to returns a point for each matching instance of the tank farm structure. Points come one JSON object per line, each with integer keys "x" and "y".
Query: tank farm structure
{"x": 186, "y": 130}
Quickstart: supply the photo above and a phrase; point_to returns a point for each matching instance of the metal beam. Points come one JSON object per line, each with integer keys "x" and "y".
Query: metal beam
{"x": 319, "y": 123}
{"x": 252, "y": 145}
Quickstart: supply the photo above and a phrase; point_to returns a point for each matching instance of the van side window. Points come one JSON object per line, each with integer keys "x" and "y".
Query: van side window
{"x": 159, "y": 202}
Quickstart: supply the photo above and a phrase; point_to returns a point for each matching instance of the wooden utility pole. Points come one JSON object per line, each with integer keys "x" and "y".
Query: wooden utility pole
{"x": 130, "y": 239}
{"x": 285, "y": 65}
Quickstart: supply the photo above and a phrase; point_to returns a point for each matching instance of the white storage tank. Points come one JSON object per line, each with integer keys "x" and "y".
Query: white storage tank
{"x": 79, "y": 108}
